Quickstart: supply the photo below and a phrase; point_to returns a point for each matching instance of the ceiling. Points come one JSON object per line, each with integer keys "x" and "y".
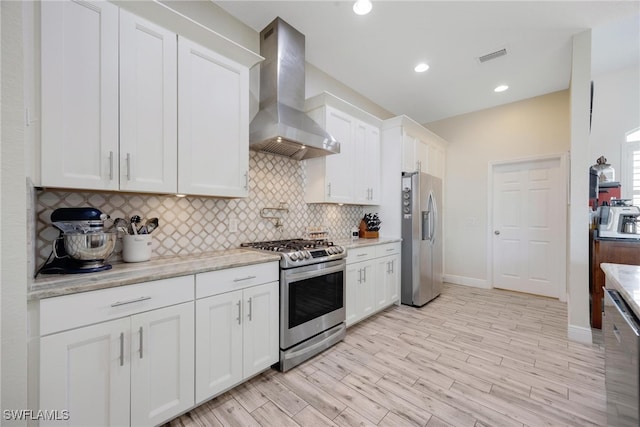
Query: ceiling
{"x": 375, "y": 54}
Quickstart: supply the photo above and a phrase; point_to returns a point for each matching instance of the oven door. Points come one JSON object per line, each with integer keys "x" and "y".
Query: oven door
{"x": 311, "y": 301}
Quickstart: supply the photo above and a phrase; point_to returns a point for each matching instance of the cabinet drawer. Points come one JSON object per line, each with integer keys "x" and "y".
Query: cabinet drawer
{"x": 231, "y": 279}
{"x": 360, "y": 254}
{"x": 72, "y": 311}
{"x": 388, "y": 249}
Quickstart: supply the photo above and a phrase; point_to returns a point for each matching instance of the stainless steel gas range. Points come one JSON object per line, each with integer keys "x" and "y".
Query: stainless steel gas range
{"x": 312, "y": 295}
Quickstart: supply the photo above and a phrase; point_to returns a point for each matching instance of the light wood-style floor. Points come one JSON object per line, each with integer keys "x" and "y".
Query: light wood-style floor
{"x": 471, "y": 357}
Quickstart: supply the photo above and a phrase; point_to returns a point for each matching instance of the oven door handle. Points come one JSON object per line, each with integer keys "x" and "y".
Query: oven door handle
{"x": 294, "y": 277}
{"x": 306, "y": 350}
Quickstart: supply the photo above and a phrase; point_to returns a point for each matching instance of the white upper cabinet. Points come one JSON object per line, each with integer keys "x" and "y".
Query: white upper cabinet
{"x": 422, "y": 150}
{"x": 213, "y": 123}
{"x": 367, "y": 178}
{"x": 79, "y": 95}
{"x": 112, "y": 86}
{"x": 353, "y": 175}
{"x": 148, "y": 106}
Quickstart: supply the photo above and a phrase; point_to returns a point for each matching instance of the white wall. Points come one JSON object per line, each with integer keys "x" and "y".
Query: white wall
{"x": 13, "y": 222}
{"x": 533, "y": 127}
{"x": 616, "y": 110}
{"x": 578, "y": 268}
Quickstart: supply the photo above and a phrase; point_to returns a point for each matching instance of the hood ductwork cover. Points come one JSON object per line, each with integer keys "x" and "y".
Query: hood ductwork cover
{"x": 281, "y": 126}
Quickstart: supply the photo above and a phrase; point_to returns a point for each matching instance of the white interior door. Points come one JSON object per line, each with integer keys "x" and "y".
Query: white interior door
{"x": 528, "y": 232}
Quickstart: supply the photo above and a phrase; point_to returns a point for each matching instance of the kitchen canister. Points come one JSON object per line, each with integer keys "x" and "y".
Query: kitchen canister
{"x": 136, "y": 247}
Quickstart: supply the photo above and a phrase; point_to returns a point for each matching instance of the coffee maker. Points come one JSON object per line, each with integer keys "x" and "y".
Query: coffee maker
{"x": 82, "y": 245}
{"x": 619, "y": 221}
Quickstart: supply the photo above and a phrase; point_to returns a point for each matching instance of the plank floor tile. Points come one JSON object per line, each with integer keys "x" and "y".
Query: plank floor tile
{"x": 471, "y": 357}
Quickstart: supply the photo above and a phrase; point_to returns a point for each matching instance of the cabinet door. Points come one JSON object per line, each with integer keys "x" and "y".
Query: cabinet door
{"x": 86, "y": 371}
{"x": 339, "y": 167}
{"x": 218, "y": 344}
{"x": 409, "y": 161}
{"x": 367, "y": 164}
{"x": 261, "y": 333}
{"x": 148, "y": 106}
{"x": 367, "y": 290}
{"x": 393, "y": 279}
{"x": 79, "y": 95}
{"x": 422, "y": 157}
{"x": 387, "y": 280}
{"x": 162, "y": 364}
{"x": 382, "y": 277}
{"x": 352, "y": 283}
{"x": 213, "y": 123}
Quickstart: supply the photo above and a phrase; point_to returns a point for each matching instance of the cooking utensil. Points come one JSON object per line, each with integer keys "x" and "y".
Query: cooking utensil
{"x": 135, "y": 220}
{"x": 151, "y": 224}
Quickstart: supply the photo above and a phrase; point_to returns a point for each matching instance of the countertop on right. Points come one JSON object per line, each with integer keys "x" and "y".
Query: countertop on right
{"x": 626, "y": 280}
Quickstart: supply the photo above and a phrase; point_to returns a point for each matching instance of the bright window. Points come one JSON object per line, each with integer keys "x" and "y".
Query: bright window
{"x": 631, "y": 165}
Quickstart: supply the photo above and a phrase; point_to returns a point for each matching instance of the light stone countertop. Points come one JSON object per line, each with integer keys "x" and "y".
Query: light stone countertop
{"x": 626, "y": 280}
{"x": 52, "y": 285}
{"x": 360, "y": 243}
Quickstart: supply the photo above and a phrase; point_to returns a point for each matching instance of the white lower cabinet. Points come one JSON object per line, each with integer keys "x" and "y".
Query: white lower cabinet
{"x": 237, "y": 317}
{"x": 372, "y": 280}
{"x": 387, "y": 280}
{"x": 135, "y": 370}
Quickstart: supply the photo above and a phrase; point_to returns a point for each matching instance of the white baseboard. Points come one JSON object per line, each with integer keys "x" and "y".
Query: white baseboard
{"x": 466, "y": 281}
{"x": 580, "y": 334}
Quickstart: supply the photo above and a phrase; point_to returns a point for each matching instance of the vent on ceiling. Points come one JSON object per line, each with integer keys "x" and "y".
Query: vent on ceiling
{"x": 492, "y": 55}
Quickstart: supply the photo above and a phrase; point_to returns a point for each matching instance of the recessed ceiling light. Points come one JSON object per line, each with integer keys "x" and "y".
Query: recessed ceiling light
{"x": 421, "y": 68}
{"x": 501, "y": 88}
{"x": 362, "y": 7}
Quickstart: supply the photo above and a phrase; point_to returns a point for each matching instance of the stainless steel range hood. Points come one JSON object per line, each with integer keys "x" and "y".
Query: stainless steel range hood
{"x": 281, "y": 126}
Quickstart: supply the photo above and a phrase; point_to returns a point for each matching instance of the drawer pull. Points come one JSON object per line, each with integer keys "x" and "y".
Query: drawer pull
{"x": 131, "y": 301}
{"x": 359, "y": 255}
{"x": 239, "y": 318}
{"x": 140, "y": 342}
{"x": 250, "y": 309}
{"x": 121, "y": 348}
{"x": 391, "y": 249}
{"x": 242, "y": 279}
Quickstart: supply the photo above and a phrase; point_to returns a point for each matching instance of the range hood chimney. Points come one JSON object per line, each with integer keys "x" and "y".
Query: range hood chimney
{"x": 281, "y": 126}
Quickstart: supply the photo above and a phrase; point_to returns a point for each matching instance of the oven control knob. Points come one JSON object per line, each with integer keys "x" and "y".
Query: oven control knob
{"x": 307, "y": 254}
{"x": 293, "y": 256}
{"x": 339, "y": 249}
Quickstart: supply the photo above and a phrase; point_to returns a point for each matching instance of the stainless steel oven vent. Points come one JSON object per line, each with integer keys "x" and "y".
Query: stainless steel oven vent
{"x": 493, "y": 55}
{"x": 281, "y": 126}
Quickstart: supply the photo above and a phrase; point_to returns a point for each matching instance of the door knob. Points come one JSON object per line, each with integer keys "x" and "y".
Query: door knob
{"x": 497, "y": 232}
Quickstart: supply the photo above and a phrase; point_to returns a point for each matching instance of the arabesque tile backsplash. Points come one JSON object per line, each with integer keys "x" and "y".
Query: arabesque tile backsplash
{"x": 191, "y": 225}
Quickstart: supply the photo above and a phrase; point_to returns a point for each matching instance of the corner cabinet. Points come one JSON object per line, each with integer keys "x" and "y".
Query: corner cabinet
{"x": 353, "y": 175}
{"x": 422, "y": 150}
{"x": 372, "y": 280}
{"x": 126, "y": 357}
{"x": 213, "y": 123}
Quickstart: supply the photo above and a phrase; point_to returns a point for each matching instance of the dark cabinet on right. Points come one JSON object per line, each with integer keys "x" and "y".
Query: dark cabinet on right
{"x": 613, "y": 251}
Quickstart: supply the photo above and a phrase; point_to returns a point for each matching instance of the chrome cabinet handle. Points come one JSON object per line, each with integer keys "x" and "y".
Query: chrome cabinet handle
{"x": 121, "y": 348}
{"x": 250, "y": 308}
{"x": 393, "y": 265}
{"x": 497, "y": 232}
{"x": 329, "y": 190}
{"x": 359, "y": 275}
{"x": 128, "y": 166}
{"x": 131, "y": 301}
{"x": 246, "y": 180}
{"x": 359, "y": 255}
{"x": 239, "y": 318}
{"x": 141, "y": 342}
{"x": 241, "y": 279}
{"x": 111, "y": 165}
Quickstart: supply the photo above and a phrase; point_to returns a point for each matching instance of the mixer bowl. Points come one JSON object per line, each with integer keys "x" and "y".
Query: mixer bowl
{"x": 90, "y": 246}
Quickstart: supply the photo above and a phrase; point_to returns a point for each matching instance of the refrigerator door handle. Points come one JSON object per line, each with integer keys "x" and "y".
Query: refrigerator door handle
{"x": 426, "y": 225}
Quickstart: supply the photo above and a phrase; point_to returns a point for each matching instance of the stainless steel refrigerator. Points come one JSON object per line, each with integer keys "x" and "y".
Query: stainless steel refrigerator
{"x": 421, "y": 272}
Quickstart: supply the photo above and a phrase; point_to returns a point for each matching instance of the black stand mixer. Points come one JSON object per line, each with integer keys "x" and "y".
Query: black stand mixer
{"x": 83, "y": 245}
